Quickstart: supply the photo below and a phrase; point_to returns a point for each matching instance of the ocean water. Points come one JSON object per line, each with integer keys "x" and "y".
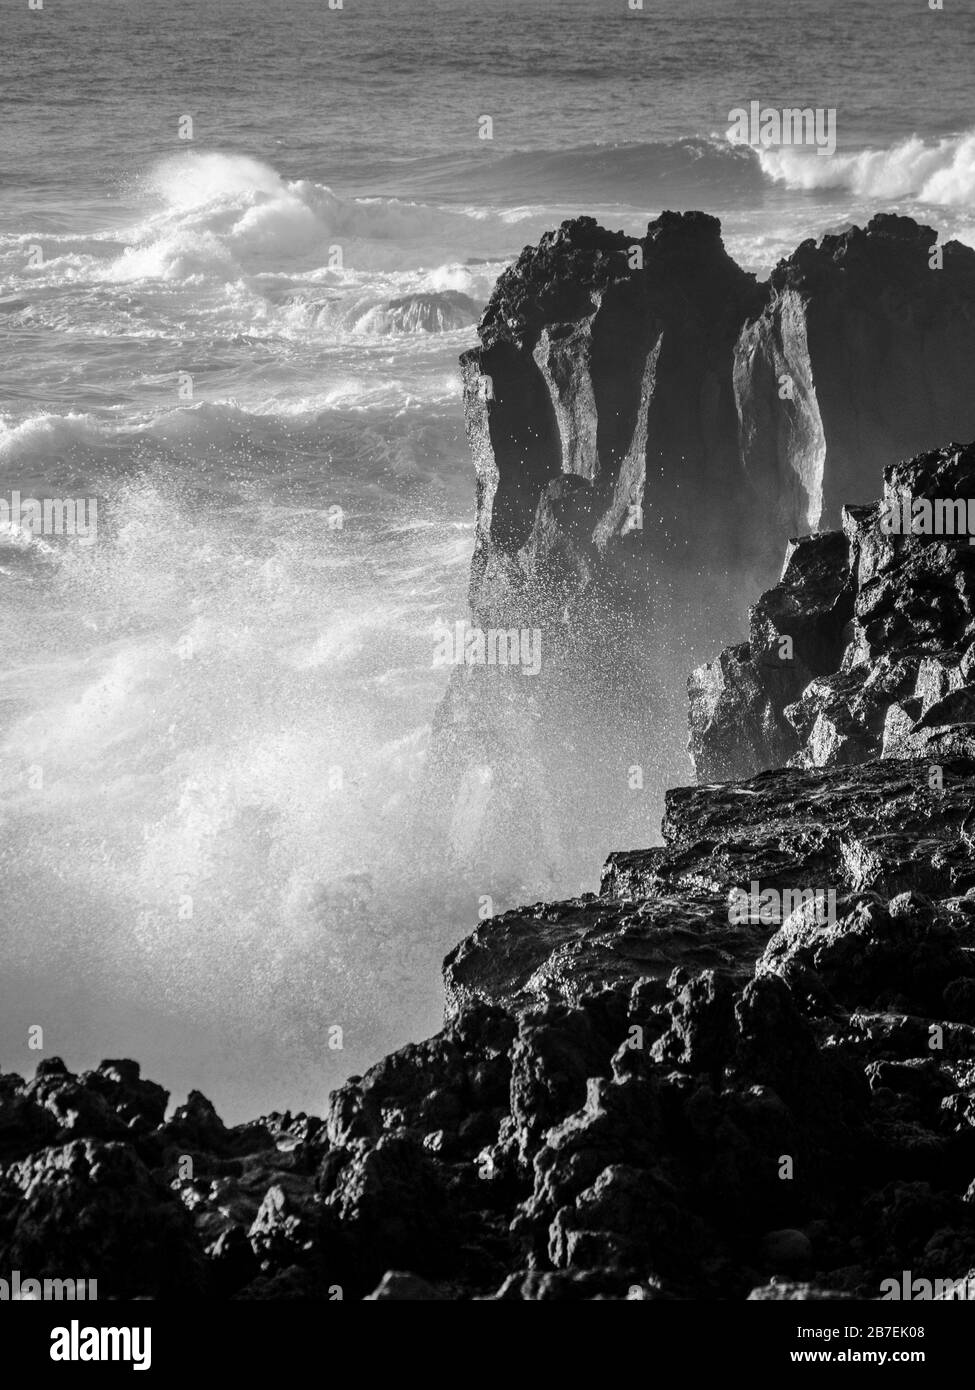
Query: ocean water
{"x": 244, "y": 345}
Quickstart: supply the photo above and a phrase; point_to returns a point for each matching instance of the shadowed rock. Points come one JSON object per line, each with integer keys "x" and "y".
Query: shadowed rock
{"x": 866, "y": 646}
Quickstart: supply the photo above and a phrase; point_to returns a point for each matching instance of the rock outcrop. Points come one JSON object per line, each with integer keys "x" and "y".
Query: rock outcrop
{"x": 744, "y": 1070}
{"x": 636, "y": 397}
{"x": 866, "y": 646}
{"x": 649, "y": 425}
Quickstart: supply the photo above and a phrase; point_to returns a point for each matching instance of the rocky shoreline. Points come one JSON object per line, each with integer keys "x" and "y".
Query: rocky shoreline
{"x": 633, "y": 1095}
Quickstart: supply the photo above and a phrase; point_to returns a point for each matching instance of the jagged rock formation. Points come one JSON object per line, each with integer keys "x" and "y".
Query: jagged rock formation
{"x": 649, "y": 425}
{"x": 700, "y": 1083}
{"x": 615, "y": 371}
{"x": 866, "y": 646}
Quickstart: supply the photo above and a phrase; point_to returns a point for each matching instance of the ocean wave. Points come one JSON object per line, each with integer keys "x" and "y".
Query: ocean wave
{"x": 41, "y": 436}
{"x": 939, "y": 173}
{"x": 227, "y": 219}
{"x": 705, "y": 171}
{"x": 45, "y": 436}
{"x": 224, "y": 219}
{"x": 224, "y": 216}
{"x": 357, "y": 442}
{"x": 636, "y": 174}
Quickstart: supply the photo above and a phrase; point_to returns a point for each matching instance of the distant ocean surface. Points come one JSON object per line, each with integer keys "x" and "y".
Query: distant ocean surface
{"x": 228, "y": 696}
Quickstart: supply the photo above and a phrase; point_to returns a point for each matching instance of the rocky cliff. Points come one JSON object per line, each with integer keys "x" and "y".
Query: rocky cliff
{"x": 744, "y": 1069}
{"x": 636, "y": 397}
{"x": 649, "y": 426}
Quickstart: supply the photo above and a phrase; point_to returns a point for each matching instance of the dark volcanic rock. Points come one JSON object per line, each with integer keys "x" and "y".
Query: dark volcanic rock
{"x": 92, "y": 1210}
{"x": 864, "y": 648}
{"x": 775, "y": 1104}
{"x": 94, "y": 1183}
{"x": 650, "y": 370}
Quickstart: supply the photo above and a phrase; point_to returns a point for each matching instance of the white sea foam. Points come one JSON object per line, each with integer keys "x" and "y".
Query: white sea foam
{"x": 938, "y": 172}
{"x": 229, "y": 706}
{"x": 222, "y": 215}
{"x": 41, "y": 436}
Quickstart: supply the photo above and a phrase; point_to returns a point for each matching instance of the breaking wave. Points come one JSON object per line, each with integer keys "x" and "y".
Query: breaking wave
{"x": 936, "y": 173}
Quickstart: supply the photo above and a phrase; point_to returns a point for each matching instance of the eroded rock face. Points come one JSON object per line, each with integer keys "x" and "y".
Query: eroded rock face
{"x": 864, "y": 648}
{"x": 649, "y": 426}
{"x": 604, "y": 380}
{"x": 616, "y": 371}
